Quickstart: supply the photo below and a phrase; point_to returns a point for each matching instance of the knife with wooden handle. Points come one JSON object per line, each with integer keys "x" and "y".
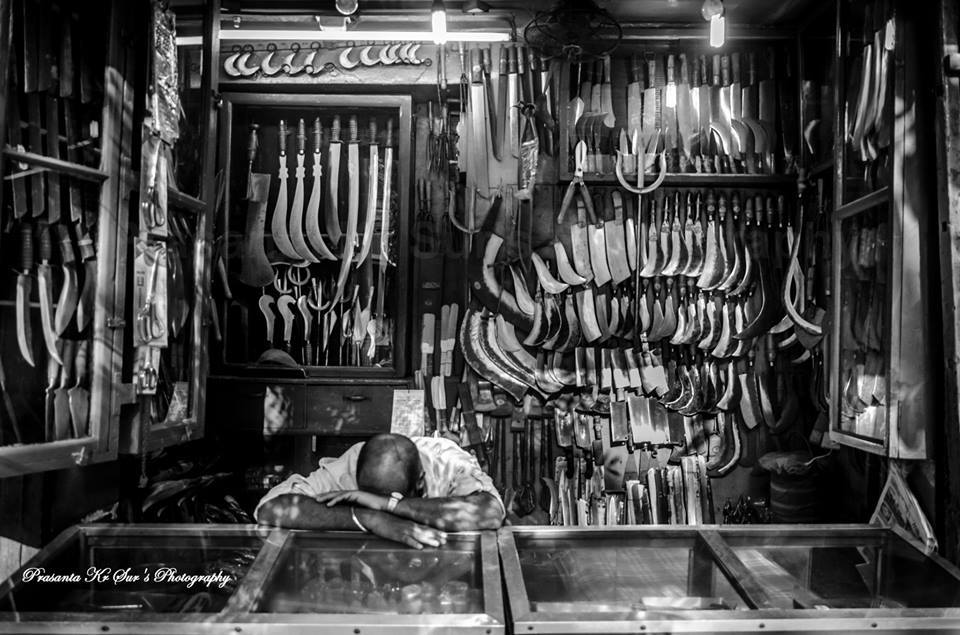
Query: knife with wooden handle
{"x": 24, "y": 287}
{"x": 331, "y": 211}
{"x": 45, "y": 287}
{"x": 255, "y": 269}
{"x": 61, "y": 398}
{"x": 312, "y": 214}
{"x": 278, "y": 226}
{"x": 353, "y": 209}
{"x": 285, "y": 307}
{"x": 297, "y": 238}
{"x": 486, "y": 66}
{"x": 67, "y": 302}
{"x": 687, "y": 117}
{"x": 373, "y": 182}
{"x": 52, "y": 127}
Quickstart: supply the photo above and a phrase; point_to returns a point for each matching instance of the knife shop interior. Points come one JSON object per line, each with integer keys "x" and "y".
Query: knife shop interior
{"x": 476, "y": 316}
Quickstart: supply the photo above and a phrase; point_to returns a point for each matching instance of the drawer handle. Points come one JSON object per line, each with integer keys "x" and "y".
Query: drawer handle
{"x": 355, "y": 398}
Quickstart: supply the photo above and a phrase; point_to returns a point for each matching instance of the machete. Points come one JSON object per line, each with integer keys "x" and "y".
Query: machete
{"x": 385, "y": 205}
{"x": 255, "y": 269}
{"x": 574, "y": 109}
{"x": 331, "y": 211}
{"x": 312, "y": 217}
{"x": 353, "y": 209}
{"x": 486, "y": 67}
{"x": 285, "y": 307}
{"x": 669, "y": 111}
{"x": 503, "y": 104}
{"x": 687, "y": 118}
{"x": 52, "y": 115}
{"x": 45, "y": 287}
{"x": 373, "y": 181}
{"x": 278, "y": 226}
{"x": 634, "y": 103}
{"x": 768, "y": 113}
{"x": 297, "y": 240}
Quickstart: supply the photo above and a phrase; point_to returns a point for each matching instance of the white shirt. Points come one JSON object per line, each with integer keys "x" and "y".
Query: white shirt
{"x": 448, "y": 471}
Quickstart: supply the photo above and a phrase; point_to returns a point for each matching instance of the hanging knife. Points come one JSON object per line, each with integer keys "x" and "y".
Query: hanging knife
{"x": 768, "y": 113}
{"x": 278, "y": 226}
{"x": 353, "y": 208}
{"x": 547, "y": 69}
{"x": 79, "y": 394}
{"x": 385, "y": 205}
{"x": 61, "y": 398}
{"x": 38, "y": 192}
{"x": 373, "y": 182}
{"x": 53, "y": 150}
{"x": 596, "y": 90}
{"x": 266, "y": 304}
{"x": 24, "y": 287}
{"x": 331, "y": 211}
{"x": 606, "y": 95}
{"x": 49, "y": 405}
{"x": 67, "y": 303}
{"x": 651, "y": 127}
{"x": 285, "y": 307}
{"x": 314, "y": 236}
{"x": 750, "y": 114}
{"x": 45, "y": 285}
{"x": 503, "y": 103}
{"x": 486, "y": 66}
{"x": 511, "y": 130}
{"x": 478, "y": 177}
{"x": 17, "y": 185}
{"x": 304, "y": 307}
{"x": 88, "y": 256}
{"x": 687, "y": 116}
{"x": 297, "y": 239}
{"x": 634, "y": 103}
{"x": 255, "y": 269}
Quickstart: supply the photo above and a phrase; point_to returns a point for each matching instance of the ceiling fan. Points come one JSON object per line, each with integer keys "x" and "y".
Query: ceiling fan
{"x": 573, "y": 29}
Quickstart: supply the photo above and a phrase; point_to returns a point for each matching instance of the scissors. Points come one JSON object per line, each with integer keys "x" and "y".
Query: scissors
{"x": 149, "y": 325}
{"x": 148, "y": 378}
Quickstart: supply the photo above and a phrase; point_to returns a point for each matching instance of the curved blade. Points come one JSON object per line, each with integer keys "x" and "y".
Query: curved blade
{"x": 255, "y": 269}
{"x": 312, "y": 215}
{"x": 46, "y": 311}
{"x": 297, "y": 238}
{"x": 371, "y": 217}
{"x": 24, "y": 331}
{"x": 67, "y": 303}
{"x": 278, "y": 226}
{"x": 331, "y": 211}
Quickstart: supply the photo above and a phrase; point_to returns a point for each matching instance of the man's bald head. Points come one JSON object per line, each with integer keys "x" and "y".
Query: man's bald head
{"x": 389, "y": 463}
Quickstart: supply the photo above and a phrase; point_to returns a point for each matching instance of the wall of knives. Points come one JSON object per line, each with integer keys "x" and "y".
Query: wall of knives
{"x": 314, "y": 221}
{"x": 49, "y": 222}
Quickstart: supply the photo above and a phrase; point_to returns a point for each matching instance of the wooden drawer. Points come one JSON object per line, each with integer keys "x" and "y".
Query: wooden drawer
{"x": 349, "y": 410}
{"x": 244, "y": 405}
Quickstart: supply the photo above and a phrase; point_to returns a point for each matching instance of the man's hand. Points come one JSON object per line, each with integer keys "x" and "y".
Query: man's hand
{"x": 355, "y": 498}
{"x": 401, "y": 530}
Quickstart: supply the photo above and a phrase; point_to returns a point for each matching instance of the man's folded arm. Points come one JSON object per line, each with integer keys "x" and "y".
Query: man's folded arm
{"x": 479, "y": 510}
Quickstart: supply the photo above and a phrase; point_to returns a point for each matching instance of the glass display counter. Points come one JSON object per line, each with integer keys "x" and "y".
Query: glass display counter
{"x": 849, "y": 578}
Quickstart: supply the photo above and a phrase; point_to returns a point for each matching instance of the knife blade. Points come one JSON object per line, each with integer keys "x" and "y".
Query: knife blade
{"x": 38, "y": 191}
{"x": 24, "y": 287}
{"x": 706, "y": 110}
{"x": 78, "y": 395}
{"x": 788, "y": 105}
{"x": 88, "y": 256}
{"x": 669, "y": 112}
{"x": 616, "y": 239}
{"x": 634, "y": 102}
{"x": 687, "y": 117}
{"x": 606, "y": 94}
{"x": 303, "y": 307}
{"x": 297, "y": 239}
{"x": 67, "y": 302}
{"x": 742, "y": 137}
{"x": 331, "y": 211}
{"x": 49, "y": 406}
{"x": 503, "y": 103}
{"x": 14, "y": 138}
{"x": 353, "y": 209}
{"x": 486, "y": 67}
{"x": 545, "y": 100}
{"x": 385, "y": 205}
{"x": 478, "y": 177}
{"x": 750, "y": 114}
{"x": 574, "y": 108}
{"x": 52, "y": 127}
{"x": 61, "y": 398}
{"x": 598, "y": 249}
{"x": 285, "y": 307}
{"x": 312, "y": 215}
{"x": 373, "y": 181}
{"x": 255, "y": 269}
{"x": 651, "y": 129}
{"x": 596, "y": 89}
{"x": 278, "y": 226}
{"x": 768, "y": 112}
{"x": 511, "y": 130}
{"x": 720, "y": 123}
{"x": 45, "y": 287}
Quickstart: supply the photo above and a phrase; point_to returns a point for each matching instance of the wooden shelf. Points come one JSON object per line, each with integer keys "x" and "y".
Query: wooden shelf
{"x": 820, "y": 169}
{"x": 179, "y": 200}
{"x": 865, "y": 202}
{"x": 56, "y": 165}
{"x": 692, "y": 179}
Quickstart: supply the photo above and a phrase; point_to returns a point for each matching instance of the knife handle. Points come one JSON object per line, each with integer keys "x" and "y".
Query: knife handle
{"x": 389, "y": 139}
{"x": 253, "y": 143}
{"x": 748, "y": 211}
{"x": 771, "y": 64}
{"x": 782, "y": 217}
{"x": 68, "y": 355}
{"x": 704, "y": 72}
{"x": 522, "y": 62}
{"x": 85, "y": 245}
{"x": 758, "y": 210}
{"x": 511, "y": 52}
{"x": 301, "y": 137}
{"x": 282, "y": 136}
{"x": 606, "y": 69}
{"x": 735, "y": 205}
{"x": 66, "y": 245}
{"x": 771, "y": 211}
{"x": 722, "y": 207}
{"x": 651, "y": 72}
{"x": 353, "y": 129}
{"x": 26, "y": 247}
{"x": 486, "y": 60}
{"x": 752, "y": 72}
{"x": 684, "y": 71}
{"x": 335, "y": 129}
{"x": 711, "y": 204}
{"x": 670, "y": 65}
{"x": 46, "y": 245}
{"x": 317, "y": 135}
{"x": 716, "y": 70}
{"x": 504, "y": 61}
{"x": 735, "y": 71}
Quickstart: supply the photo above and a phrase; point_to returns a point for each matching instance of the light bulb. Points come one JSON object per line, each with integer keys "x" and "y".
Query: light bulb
{"x": 718, "y": 31}
{"x": 438, "y": 19}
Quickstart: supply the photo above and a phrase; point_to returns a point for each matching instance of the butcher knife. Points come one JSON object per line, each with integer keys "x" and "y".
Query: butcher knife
{"x": 79, "y": 394}
{"x": 297, "y": 238}
{"x": 278, "y": 226}
{"x": 707, "y": 148}
{"x": 687, "y": 116}
{"x": 331, "y": 211}
{"x": 255, "y": 269}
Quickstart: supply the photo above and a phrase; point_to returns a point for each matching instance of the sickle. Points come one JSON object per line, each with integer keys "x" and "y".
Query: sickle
{"x": 404, "y": 52}
{"x": 747, "y": 258}
{"x": 266, "y": 66}
{"x": 524, "y": 301}
{"x": 682, "y": 309}
{"x": 713, "y": 265}
{"x": 567, "y": 274}
{"x": 477, "y": 356}
{"x": 731, "y": 394}
{"x": 228, "y": 64}
{"x": 538, "y": 329}
{"x": 392, "y": 51}
{"x": 241, "y": 64}
{"x": 573, "y": 325}
{"x": 382, "y": 56}
{"x": 560, "y": 331}
{"x": 519, "y": 365}
{"x": 653, "y": 259}
{"x": 643, "y": 309}
{"x": 586, "y": 310}
{"x": 669, "y": 311}
{"x": 656, "y": 321}
{"x": 546, "y": 380}
{"x": 722, "y": 349}
{"x": 412, "y": 54}
{"x": 345, "y": 62}
{"x": 288, "y": 66}
{"x": 365, "y": 58}
{"x": 507, "y": 335}
{"x": 563, "y": 374}
{"x": 677, "y": 260}
{"x": 614, "y": 324}
{"x": 693, "y": 239}
{"x": 546, "y": 279}
{"x": 736, "y": 271}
